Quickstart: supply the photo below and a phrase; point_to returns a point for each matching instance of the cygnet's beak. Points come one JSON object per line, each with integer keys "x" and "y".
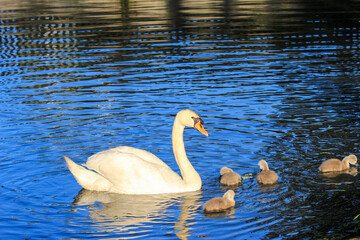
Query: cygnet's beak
{"x": 200, "y": 127}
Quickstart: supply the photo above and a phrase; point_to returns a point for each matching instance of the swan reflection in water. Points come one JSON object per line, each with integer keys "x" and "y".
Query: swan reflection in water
{"x": 125, "y": 212}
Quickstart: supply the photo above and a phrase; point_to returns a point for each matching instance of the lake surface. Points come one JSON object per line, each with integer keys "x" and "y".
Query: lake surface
{"x": 273, "y": 80}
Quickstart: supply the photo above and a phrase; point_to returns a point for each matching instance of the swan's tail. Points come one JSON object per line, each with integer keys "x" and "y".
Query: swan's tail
{"x": 88, "y": 179}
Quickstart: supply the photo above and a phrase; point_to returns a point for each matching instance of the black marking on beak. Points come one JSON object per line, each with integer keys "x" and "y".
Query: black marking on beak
{"x": 196, "y": 120}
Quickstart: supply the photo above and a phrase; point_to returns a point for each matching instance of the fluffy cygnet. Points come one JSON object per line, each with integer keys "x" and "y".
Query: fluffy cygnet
{"x": 335, "y": 165}
{"x": 266, "y": 176}
{"x": 229, "y": 177}
{"x": 220, "y": 204}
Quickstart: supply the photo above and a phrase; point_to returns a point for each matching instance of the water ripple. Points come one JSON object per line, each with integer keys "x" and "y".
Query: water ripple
{"x": 271, "y": 81}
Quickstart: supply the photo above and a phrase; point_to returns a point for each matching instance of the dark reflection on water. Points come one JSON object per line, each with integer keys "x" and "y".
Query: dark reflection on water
{"x": 272, "y": 80}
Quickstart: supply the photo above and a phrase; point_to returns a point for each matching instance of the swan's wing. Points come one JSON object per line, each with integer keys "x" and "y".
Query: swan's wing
{"x": 145, "y": 155}
{"x": 88, "y": 179}
{"x": 134, "y": 173}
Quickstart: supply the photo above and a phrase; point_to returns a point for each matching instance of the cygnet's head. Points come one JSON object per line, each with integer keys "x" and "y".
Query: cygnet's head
{"x": 189, "y": 118}
{"x": 224, "y": 170}
{"x": 263, "y": 165}
{"x": 352, "y": 159}
{"x": 230, "y": 194}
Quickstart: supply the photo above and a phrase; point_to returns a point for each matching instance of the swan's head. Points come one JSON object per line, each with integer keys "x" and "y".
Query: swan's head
{"x": 263, "y": 165}
{"x": 191, "y": 119}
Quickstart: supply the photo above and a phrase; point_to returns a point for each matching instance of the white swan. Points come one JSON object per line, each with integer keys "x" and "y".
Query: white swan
{"x": 130, "y": 170}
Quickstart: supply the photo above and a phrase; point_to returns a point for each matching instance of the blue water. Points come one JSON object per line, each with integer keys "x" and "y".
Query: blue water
{"x": 271, "y": 80}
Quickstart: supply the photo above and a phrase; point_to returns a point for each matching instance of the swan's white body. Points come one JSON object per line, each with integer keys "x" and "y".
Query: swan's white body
{"x": 130, "y": 170}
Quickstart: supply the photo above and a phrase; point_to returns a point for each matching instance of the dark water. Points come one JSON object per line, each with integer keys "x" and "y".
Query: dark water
{"x": 274, "y": 80}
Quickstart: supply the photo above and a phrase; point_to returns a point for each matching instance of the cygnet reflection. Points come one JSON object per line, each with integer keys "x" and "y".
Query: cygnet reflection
{"x": 350, "y": 171}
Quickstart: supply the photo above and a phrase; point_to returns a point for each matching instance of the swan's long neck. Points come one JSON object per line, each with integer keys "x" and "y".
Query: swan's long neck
{"x": 188, "y": 173}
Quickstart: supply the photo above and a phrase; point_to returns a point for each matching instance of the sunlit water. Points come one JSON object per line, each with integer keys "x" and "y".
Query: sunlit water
{"x": 272, "y": 80}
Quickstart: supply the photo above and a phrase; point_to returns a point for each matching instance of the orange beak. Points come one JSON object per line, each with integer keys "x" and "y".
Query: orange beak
{"x": 201, "y": 129}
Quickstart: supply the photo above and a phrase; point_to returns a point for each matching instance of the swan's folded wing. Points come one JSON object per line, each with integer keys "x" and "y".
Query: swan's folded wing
{"x": 88, "y": 179}
{"x": 144, "y": 155}
{"x": 129, "y": 173}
